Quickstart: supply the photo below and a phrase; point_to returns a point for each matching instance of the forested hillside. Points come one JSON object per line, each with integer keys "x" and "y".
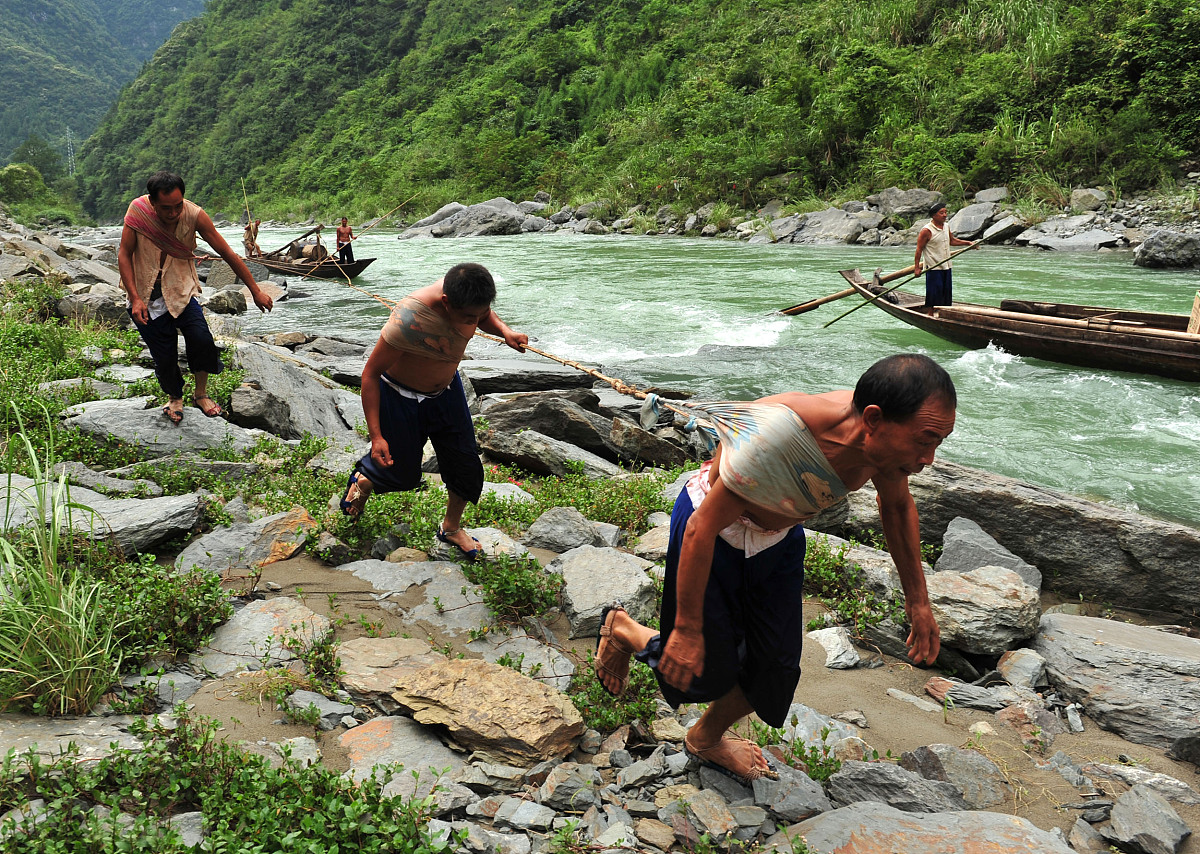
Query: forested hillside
{"x": 63, "y": 62}
{"x": 356, "y": 105}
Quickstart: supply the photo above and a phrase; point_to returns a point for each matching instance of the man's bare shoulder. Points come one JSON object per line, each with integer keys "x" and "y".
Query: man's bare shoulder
{"x": 818, "y": 411}
{"x": 429, "y": 295}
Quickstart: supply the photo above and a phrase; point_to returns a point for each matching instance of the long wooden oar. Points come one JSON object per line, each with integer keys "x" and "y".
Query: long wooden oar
{"x": 801, "y": 308}
{"x": 894, "y": 287}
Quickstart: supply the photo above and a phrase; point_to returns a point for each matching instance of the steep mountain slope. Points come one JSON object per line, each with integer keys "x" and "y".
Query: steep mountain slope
{"x": 359, "y": 104}
{"x": 63, "y": 62}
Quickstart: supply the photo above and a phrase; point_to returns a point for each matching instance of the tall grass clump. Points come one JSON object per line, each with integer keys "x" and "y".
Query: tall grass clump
{"x": 57, "y": 653}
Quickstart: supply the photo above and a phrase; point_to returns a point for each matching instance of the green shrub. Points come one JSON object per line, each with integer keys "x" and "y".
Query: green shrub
{"x": 515, "y": 587}
{"x": 603, "y": 712}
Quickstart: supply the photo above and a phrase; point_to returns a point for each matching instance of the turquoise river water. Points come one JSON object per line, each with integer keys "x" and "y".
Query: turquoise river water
{"x": 696, "y": 314}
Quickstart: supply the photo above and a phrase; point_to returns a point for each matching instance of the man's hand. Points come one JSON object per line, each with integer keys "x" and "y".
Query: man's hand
{"x": 924, "y": 641}
{"x": 916, "y": 269}
{"x": 261, "y": 299}
{"x": 139, "y": 310}
{"x": 380, "y": 452}
{"x": 683, "y": 659}
{"x": 516, "y": 340}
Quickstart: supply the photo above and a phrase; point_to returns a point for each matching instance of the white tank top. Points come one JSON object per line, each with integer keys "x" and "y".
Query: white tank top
{"x": 936, "y": 255}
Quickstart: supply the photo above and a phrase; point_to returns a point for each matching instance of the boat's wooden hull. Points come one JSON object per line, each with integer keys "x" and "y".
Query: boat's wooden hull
{"x": 1087, "y": 336}
{"x": 327, "y": 269}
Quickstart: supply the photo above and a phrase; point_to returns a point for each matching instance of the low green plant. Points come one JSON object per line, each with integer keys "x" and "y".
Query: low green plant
{"x": 604, "y": 712}
{"x": 837, "y": 582}
{"x": 319, "y": 656}
{"x": 248, "y": 806}
{"x": 515, "y": 587}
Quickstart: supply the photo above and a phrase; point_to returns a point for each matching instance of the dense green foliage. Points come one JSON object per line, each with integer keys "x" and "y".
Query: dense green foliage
{"x": 64, "y": 62}
{"x": 248, "y": 806}
{"x": 348, "y": 105}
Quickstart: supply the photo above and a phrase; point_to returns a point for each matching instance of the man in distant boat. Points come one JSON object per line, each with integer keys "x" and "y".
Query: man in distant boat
{"x": 250, "y": 238}
{"x": 411, "y": 392}
{"x": 933, "y": 257}
{"x": 731, "y": 623}
{"x": 157, "y": 262}
{"x": 345, "y": 242}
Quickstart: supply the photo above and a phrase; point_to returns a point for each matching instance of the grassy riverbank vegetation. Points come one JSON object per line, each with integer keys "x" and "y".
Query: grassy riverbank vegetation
{"x": 329, "y": 106}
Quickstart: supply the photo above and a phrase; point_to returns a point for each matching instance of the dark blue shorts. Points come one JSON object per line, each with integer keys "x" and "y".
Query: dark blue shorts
{"x": 753, "y": 622}
{"x": 162, "y": 340}
{"x": 939, "y": 290}
{"x": 406, "y": 424}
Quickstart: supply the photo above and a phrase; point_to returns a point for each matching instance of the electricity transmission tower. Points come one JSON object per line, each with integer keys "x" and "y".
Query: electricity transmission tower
{"x": 70, "y": 152}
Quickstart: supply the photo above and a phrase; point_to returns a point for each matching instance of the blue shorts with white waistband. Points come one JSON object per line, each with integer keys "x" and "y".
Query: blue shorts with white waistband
{"x": 406, "y": 424}
{"x": 753, "y": 622}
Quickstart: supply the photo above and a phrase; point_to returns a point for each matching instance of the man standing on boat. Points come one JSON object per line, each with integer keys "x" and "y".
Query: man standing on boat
{"x": 250, "y": 238}
{"x": 345, "y": 245}
{"x": 157, "y": 262}
{"x": 933, "y": 257}
{"x": 411, "y": 392}
{"x": 731, "y": 623}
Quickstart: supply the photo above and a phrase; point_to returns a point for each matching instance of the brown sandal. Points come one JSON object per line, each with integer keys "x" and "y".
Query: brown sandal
{"x": 607, "y": 644}
{"x": 735, "y": 758}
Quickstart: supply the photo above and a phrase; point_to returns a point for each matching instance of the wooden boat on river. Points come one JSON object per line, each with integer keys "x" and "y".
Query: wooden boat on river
{"x": 329, "y": 268}
{"x": 311, "y": 259}
{"x": 1083, "y": 335}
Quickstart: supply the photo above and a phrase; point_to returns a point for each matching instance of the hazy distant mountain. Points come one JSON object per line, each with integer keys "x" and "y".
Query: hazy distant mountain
{"x": 63, "y": 62}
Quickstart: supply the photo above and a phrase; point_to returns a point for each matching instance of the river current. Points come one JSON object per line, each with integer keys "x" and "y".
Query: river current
{"x": 697, "y": 314}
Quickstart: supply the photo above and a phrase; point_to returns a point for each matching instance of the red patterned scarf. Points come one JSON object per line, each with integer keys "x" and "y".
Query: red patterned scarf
{"x": 142, "y": 219}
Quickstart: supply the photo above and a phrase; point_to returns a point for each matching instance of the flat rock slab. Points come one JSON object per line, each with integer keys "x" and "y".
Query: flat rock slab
{"x": 871, "y": 827}
{"x": 241, "y": 548}
{"x": 434, "y": 593}
{"x": 493, "y": 709}
{"x": 49, "y": 737}
{"x": 373, "y": 667}
{"x": 254, "y": 635}
{"x": 532, "y": 374}
{"x": 313, "y": 399}
{"x": 1138, "y": 682}
{"x": 80, "y": 475}
{"x": 136, "y": 524}
{"x": 131, "y": 421}
{"x": 395, "y": 739}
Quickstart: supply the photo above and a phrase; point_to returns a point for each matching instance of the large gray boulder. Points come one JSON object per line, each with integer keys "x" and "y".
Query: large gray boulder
{"x": 832, "y": 225}
{"x": 136, "y": 524}
{"x": 256, "y": 408}
{"x": 636, "y": 445}
{"x": 560, "y": 417}
{"x": 1088, "y": 199}
{"x": 493, "y": 217}
{"x": 137, "y": 421}
{"x": 541, "y": 454}
{"x": 1004, "y": 229}
{"x": 594, "y": 578}
{"x": 1168, "y": 249}
{"x": 992, "y": 194}
{"x": 561, "y": 529}
{"x": 1080, "y": 546}
{"x": 100, "y": 308}
{"x": 444, "y": 212}
{"x": 968, "y": 222}
{"x": 1141, "y": 683}
{"x": 13, "y": 264}
{"x": 1143, "y": 821}
{"x": 871, "y": 826}
{"x": 221, "y": 275}
{"x": 905, "y": 203}
{"x": 313, "y": 399}
{"x": 966, "y": 546}
{"x": 90, "y": 271}
{"x": 228, "y": 301}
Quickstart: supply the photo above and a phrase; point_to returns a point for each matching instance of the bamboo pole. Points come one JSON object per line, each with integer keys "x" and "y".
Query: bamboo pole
{"x": 801, "y": 308}
{"x": 894, "y": 287}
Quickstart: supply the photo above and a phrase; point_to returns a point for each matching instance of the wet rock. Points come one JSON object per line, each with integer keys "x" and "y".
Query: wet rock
{"x": 491, "y": 376}
{"x": 594, "y": 578}
{"x": 246, "y": 547}
{"x": 1133, "y": 680}
{"x": 977, "y": 778}
{"x": 966, "y": 546}
{"x": 331, "y": 347}
{"x": 397, "y": 739}
{"x": 253, "y": 637}
{"x": 1145, "y": 823}
{"x": 878, "y": 827}
{"x": 894, "y": 786}
{"x": 985, "y": 611}
{"x": 493, "y": 709}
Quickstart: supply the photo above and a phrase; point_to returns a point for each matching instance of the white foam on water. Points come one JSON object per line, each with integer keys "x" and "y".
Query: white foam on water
{"x": 989, "y": 365}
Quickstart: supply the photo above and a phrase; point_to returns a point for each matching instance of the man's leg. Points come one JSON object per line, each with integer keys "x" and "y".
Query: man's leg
{"x": 447, "y": 420}
{"x": 202, "y": 354}
{"x": 161, "y": 340}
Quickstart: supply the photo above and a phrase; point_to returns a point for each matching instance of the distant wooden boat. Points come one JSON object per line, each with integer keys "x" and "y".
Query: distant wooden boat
{"x": 330, "y": 268}
{"x": 1083, "y": 335}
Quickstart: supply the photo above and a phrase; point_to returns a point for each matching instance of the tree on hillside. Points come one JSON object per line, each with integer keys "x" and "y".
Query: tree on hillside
{"x": 41, "y": 156}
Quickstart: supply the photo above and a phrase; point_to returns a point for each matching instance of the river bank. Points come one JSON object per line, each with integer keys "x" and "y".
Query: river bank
{"x": 355, "y": 591}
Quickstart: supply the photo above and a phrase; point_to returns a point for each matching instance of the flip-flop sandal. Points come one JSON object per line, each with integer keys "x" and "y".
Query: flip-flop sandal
{"x": 724, "y": 750}
{"x": 212, "y": 411}
{"x": 604, "y": 639}
{"x": 175, "y": 416}
{"x": 356, "y": 494}
{"x": 469, "y": 555}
